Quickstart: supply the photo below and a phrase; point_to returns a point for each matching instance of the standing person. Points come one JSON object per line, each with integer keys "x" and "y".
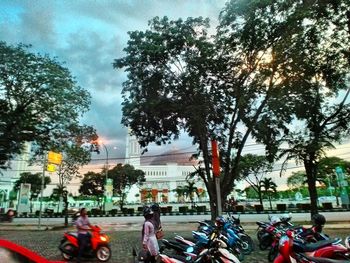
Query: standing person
{"x": 149, "y": 240}
{"x": 83, "y": 227}
{"x": 156, "y": 217}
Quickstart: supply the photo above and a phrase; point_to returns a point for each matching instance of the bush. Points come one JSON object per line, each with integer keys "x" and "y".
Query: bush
{"x": 239, "y": 208}
{"x": 96, "y": 211}
{"x": 281, "y": 207}
{"x": 303, "y": 206}
{"x": 259, "y": 208}
{"x": 327, "y": 206}
{"x": 140, "y": 209}
{"x": 130, "y": 211}
{"x": 164, "y": 210}
{"x": 183, "y": 209}
{"x": 201, "y": 208}
{"x": 170, "y": 209}
{"x": 113, "y": 212}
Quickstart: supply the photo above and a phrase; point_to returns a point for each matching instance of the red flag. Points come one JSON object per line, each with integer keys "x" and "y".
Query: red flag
{"x": 215, "y": 158}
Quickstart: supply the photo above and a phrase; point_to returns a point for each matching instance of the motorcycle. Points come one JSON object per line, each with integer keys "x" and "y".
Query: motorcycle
{"x": 293, "y": 249}
{"x": 267, "y": 230}
{"x": 98, "y": 246}
{"x": 216, "y": 252}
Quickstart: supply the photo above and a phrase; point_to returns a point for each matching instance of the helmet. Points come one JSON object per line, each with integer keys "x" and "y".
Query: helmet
{"x": 155, "y": 207}
{"x": 147, "y": 211}
{"x": 220, "y": 221}
{"x": 318, "y": 219}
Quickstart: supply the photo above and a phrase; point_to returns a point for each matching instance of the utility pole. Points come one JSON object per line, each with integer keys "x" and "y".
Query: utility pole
{"x": 42, "y": 190}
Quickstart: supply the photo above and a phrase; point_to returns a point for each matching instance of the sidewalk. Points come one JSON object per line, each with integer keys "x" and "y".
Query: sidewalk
{"x": 172, "y": 227}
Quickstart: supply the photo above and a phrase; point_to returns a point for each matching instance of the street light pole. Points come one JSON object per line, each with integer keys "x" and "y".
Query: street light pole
{"x": 105, "y": 186}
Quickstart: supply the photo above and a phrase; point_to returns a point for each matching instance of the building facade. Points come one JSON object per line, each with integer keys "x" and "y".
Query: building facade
{"x": 164, "y": 173}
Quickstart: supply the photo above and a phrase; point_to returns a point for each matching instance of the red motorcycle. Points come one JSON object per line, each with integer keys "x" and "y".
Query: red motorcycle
{"x": 295, "y": 250}
{"x": 98, "y": 246}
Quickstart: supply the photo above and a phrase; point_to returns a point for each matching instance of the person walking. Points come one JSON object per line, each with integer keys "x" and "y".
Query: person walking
{"x": 149, "y": 240}
{"x": 83, "y": 226}
{"x": 156, "y": 221}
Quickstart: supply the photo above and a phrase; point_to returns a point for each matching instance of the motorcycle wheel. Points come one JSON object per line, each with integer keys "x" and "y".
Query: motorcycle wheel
{"x": 103, "y": 253}
{"x": 68, "y": 247}
{"x": 260, "y": 233}
{"x": 247, "y": 244}
{"x": 272, "y": 254}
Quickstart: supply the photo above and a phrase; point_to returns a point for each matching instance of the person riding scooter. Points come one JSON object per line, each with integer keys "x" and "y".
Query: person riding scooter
{"x": 315, "y": 233}
{"x": 83, "y": 227}
{"x": 85, "y": 244}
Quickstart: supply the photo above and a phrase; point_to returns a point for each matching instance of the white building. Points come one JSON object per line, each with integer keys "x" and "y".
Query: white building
{"x": 164, "y": 173}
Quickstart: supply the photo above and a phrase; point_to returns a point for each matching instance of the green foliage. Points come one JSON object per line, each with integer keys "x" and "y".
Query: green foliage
{"x": 92, "y": 185}
{"x": 296, "y": 180}
{"x": 269, "y": 64}
{"x": 35, "y": 180}
{"x": 39, "y": 101}
{"x": 125, "y": 176}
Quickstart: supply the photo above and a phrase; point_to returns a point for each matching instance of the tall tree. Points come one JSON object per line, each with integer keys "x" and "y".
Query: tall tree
{"x": 253, "y": 168}
{"x": 76, "y": 148}
{"x": 316, "y": 72}
{"x": 35, "y": 181}
{"x": 124, "y": 177}
{"x": 39, "y": 100}
{"x": 296, "y": 180}
{"x": 180, "y": 79}
{"x": 92, "y": 184}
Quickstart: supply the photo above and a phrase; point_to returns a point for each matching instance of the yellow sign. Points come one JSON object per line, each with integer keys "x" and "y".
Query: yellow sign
{"x": 55, "y": 158}
{"x": 51, "y": 167}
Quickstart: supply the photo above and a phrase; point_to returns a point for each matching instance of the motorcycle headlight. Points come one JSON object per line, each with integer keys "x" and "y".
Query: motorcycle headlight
{"x": 282, "y": 241}
{"x": 104, "y": 238}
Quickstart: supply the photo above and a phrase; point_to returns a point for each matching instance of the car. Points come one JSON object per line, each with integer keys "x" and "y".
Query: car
{"x": 11, "y": 252}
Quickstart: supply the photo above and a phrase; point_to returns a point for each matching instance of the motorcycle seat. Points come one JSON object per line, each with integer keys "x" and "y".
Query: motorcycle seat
{"x": 309, "y": 247}
{"x": 325, "y": 260}
{"x": 174, "y": 245}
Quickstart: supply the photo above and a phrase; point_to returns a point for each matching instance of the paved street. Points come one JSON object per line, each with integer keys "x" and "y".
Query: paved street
{"x": 125, "y": 232}
{"x": 245, "y": 218}
{"x": 46, "y": 242}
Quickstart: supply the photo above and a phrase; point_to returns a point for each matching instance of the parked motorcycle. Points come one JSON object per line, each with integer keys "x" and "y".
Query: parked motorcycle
{"x": 98, "y": 246}
{"x": 293, "y": 249}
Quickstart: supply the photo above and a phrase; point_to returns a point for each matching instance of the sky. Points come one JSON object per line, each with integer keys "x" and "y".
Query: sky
{"x": 88, "y": 35}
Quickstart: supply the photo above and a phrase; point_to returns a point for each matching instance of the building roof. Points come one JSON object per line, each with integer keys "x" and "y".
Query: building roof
{"x": 171, "y": 156}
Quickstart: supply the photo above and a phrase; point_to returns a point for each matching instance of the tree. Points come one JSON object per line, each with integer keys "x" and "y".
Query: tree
{"x": 180, "y": 79}
{"x": 253, "y": 168}
{"x": 125, "y": 176}
{"x": 35, "y": 181}
{"x": 316, "y": 71}
{"x": 92, "y": 184}
{"x": 180, "y": 192}
{"x": 39, "y": 101}
{"x": 326, "y": 172}
{"x": 190, "y": 189}
{"x": 296, "y": 180}
{"x": 269, "y": 188}
{"x": 76, "y": 147}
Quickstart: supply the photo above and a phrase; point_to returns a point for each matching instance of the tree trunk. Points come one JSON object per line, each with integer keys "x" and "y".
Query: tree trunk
{"x": 310, "y": 169}
{"x": 270, "y": 202}
{"x": 260, "y": 197}
{"x": 65, "y": 211}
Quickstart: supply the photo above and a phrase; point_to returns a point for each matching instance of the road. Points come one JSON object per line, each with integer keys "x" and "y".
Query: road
{"x": 245, "y": 218}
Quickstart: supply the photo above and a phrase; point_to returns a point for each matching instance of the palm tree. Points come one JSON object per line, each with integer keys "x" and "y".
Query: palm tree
{"x": 269, "y": 187}
{"x": 180, "y": 191}
{"x": 189, "y": 190}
